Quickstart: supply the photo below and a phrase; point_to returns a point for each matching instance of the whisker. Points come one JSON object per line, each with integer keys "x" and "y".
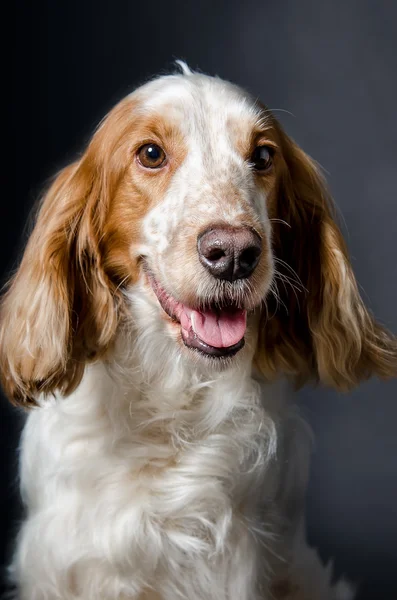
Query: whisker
{"x": 290, "y": 281}
{"x": 284, "y": 110}
{"x": 282, "y": 279}
{"x": 287, "y": 266}
{"x": 120, "y": 284}
{"x": 285, "y": 280}
{"x": 280, "y": 221}
{"x": 279, "y": 301}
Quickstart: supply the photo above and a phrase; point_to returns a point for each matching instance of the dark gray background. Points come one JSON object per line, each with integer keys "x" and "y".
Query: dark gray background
{"x": 333, "y": 66}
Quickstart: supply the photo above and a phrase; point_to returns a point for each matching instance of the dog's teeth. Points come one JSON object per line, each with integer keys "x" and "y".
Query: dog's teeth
{"x": 193, "y": 318}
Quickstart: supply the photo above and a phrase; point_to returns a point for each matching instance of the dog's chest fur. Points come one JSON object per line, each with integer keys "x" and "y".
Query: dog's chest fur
{"x": 148, "y": 486}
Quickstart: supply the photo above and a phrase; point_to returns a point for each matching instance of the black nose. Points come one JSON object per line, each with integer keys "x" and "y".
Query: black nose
{"x": 229, "y": 252}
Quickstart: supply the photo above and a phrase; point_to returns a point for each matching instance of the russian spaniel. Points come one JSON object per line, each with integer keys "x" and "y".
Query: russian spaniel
{"x": 185, "y": 262}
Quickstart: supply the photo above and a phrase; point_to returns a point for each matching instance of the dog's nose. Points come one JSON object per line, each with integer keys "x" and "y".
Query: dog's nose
{"x": 229, "y": 252}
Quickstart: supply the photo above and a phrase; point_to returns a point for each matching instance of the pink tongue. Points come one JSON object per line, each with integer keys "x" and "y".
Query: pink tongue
{"x": 219, "y": 330}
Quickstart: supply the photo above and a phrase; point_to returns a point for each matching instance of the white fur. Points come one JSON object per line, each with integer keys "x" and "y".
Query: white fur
{"x": 214, "y": 184}
{"x": 161, "y": 473}
{"x": 154, "y": 474}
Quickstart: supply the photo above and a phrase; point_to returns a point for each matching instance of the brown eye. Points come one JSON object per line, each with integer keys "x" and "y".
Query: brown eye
{"x": 151, "y": 156}
{"x": 262, "y": 158}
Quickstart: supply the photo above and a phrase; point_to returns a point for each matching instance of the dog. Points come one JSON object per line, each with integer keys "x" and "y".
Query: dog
{"x": 181, "y": 276}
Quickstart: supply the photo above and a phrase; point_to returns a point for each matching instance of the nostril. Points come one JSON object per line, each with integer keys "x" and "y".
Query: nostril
{"x": 249, "y": 256}
{"x": 215, "y": 254}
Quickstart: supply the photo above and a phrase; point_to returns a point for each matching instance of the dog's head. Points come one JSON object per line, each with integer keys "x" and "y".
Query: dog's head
{"x": 191, "y": 192}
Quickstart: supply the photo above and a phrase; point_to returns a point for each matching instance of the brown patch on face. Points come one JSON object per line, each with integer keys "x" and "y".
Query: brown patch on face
{"x": 139, "y": 190}
{"x": 248, "y": 135}
{"x": 240, "y": 133}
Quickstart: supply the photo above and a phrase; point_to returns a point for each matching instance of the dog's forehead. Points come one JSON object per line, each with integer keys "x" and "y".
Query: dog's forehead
{"x": 199, "y": 101}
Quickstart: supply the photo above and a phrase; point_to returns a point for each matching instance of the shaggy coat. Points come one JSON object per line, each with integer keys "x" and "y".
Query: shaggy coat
{"x": 179, "y": 274}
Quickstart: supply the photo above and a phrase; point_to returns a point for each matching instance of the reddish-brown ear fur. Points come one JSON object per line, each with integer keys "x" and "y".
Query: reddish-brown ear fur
{"x": 60, "y": 309}
{"x": 324, "y": 331}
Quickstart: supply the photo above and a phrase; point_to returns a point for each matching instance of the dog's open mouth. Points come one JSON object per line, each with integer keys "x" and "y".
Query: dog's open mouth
{"x": 216, "y": 332}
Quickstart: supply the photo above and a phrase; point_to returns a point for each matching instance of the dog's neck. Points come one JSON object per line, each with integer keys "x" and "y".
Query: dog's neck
{"x": 160, "y": 389}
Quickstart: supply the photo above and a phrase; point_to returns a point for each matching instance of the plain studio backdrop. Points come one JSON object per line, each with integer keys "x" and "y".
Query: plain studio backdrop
{"x": 328, "y": 69}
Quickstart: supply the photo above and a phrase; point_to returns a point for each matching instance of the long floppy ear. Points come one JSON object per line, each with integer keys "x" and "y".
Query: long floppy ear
{"x": 323, "y": 330}
{"x": 60, "y": 309}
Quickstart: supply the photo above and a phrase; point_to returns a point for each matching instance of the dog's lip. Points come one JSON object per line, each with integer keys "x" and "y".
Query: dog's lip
{"x": 224, "y": 327}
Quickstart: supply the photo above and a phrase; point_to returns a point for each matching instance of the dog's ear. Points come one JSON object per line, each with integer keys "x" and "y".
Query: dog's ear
{"x": 61, "y": 309}
{"x": 321, "y": 330}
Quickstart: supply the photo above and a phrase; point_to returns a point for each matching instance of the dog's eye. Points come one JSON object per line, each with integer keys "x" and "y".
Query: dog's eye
{"x": 151, "y": 156}
{"x": 262, "y": 158}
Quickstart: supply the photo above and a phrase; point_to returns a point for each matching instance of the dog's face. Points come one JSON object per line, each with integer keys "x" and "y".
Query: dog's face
{"x": 190, "y": 192}
{"x": 203, "y": 166}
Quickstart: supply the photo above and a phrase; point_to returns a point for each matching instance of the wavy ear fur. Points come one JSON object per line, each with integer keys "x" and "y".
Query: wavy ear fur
{"x": 61, "y": 308}
{"x": 323, "y": 331}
